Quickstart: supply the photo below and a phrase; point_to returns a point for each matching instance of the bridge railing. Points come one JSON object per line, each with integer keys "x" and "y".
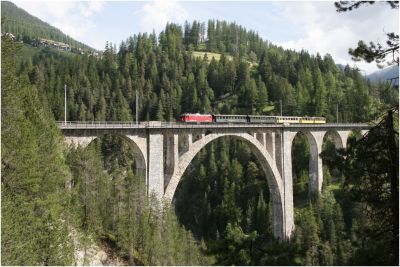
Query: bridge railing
{"x": 100, "y": 124}
{"x": 157, "y": 124}
{"x": 127, "y": 124}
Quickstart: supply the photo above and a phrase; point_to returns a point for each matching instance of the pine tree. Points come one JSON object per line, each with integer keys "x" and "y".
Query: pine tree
{"x": 376, "y": 194}
{"x": 262, "y": 222}
{"x": 160, "y": 111}
{"x": 321, "y": 106}
{"x": 34, "y": 226}
{"x": 262, "y": 99}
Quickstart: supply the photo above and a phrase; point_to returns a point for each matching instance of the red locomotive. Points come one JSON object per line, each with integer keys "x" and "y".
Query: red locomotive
{"x": 198, "y": 118}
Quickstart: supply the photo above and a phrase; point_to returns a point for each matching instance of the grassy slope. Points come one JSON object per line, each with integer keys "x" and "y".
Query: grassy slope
{"x": 19, "y": 22}
{"x": 217, "y": 56}
{"x": 210, "y": 55}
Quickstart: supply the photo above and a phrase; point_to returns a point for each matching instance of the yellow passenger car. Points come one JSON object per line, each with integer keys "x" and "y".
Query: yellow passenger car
{"x": 312, "y": 120}
{"x": 287, "y": 119}
{"x": 319, "y": 120}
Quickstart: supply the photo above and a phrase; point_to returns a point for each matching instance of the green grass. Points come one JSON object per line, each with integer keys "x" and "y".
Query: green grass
{"x": 217, "y": 56}
{"x": 210, "y": 55}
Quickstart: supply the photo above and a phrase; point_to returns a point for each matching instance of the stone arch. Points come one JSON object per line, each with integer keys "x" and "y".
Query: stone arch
{"x": 135, "y": 142}
{"x": 274, "y": 180}
{"x": 339, "y": 137}
{"x": 314, "y": 139}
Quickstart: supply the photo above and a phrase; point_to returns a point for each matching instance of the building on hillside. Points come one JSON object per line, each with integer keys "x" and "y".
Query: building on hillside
{"x": 10, "y": 35}
{"x": 95, "y": 54}
{"x": 54, "y": 44}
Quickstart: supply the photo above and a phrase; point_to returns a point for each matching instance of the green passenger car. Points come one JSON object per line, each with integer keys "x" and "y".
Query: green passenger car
{"x": 230, "y": 118}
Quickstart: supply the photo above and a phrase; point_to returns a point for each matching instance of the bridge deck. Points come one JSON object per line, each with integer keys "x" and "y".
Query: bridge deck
{"x": 71, "y": 125}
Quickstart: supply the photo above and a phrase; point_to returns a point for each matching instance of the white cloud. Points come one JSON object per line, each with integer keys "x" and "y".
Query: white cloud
{"x": 91, "y": 7}
{"x": 156, "y": 14}
{"x": 327, "y": 31}
{"x": 71, "y": 17}
{"x": 46, "y": 9}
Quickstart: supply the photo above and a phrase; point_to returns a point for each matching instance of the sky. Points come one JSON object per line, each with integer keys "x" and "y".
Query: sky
{"x": 311, "y": 25}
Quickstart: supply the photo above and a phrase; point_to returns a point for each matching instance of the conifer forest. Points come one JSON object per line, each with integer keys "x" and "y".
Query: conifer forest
{"x": 221, "y": 213}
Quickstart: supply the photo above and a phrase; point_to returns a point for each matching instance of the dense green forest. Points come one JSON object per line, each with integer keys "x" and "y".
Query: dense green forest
{"x": 169, "y": 80}
{"x": 223, "y": 213}
{"x": 27, "y": 27}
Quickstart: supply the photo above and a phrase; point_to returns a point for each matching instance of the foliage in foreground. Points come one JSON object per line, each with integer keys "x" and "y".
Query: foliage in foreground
{"x": 371, "y": 168}
{"x": 34, "y": 221}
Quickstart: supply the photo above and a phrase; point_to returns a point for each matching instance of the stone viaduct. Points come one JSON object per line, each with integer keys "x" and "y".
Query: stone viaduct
{"x": 163, "y": 151}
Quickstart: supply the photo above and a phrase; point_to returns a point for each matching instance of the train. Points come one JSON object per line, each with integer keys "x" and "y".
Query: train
{"x": 211, "y": 118}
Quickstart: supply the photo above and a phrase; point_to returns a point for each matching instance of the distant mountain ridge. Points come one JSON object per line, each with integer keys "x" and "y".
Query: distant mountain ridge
{"x": 382, "y": 75}
{"x": 340, "y": 66}
{"x": 385, "y": 75}
{"x": 26, "y": 27}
